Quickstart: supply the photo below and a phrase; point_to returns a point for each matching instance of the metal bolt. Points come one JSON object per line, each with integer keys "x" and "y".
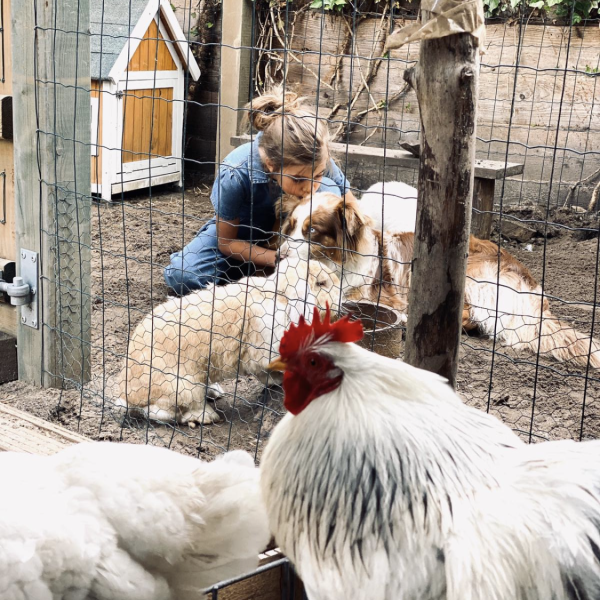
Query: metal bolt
{"x": 33, "y": 291}
{"x": 23, "y": 255}
{"x": 33, "y": 258}
{"x": 23, "y": 320}
{"x": 34, "y": 323}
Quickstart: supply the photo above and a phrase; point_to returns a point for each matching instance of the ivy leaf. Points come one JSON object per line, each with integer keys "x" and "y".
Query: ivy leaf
{"x": 538, "y": 5}
{"x": 514, "y": 3}
{"x": 316, "y": 4}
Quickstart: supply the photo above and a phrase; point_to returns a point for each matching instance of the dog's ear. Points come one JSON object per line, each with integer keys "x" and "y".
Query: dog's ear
{"x": 352, "y": 219}
{"x": 286, "y": 205}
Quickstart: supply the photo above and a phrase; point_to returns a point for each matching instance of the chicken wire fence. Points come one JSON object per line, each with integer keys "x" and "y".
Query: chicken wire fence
{"x": 538, "y": 109}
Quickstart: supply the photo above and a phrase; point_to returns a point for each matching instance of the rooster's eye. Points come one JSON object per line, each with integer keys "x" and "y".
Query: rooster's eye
{"x": 313, "y": 362}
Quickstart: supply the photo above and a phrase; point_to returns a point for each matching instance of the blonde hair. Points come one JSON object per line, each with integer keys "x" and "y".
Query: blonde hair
{"x": 291, "y": 132}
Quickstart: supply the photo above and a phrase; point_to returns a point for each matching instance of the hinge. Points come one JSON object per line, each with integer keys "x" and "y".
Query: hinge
{"x": 30, "y": 274}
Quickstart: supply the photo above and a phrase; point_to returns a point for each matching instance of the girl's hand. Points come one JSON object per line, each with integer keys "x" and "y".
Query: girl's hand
{"x": 242, "y": 250}
{"x": 281, "y": 255}
{"x": 263, "y": 257}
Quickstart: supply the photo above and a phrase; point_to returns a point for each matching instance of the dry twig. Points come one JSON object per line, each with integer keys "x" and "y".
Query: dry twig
{"x": 572, "y": 189}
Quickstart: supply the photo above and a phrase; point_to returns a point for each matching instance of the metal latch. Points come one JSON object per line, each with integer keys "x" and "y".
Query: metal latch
{"x": 22, "y": 290}
{"x": 18, "y": 291}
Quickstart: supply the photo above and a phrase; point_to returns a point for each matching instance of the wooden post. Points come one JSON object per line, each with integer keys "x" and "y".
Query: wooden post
{"x": 53, "y": 195}
{"x": 446, "y": 82}
{"x": 483, "y": 200}
{"x": 235, "y": 71}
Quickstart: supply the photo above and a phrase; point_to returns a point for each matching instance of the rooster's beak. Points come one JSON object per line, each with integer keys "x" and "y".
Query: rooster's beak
{"x": 277, "y": 365}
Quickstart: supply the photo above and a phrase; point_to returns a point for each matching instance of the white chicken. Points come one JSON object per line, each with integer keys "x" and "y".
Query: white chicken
{"x": 126, "y": 522}
{"x": 381, "y": 484}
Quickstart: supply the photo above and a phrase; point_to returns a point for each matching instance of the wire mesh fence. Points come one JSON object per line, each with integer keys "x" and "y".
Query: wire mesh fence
{"x": 175, "y": 359}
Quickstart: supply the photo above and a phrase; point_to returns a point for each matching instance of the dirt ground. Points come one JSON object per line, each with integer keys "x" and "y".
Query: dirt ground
{"x": 132, "y": 243}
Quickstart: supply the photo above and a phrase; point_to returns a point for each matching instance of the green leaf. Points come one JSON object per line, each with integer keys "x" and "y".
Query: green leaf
{"x": 538, "y": 5}
{"x": 514, "y": 3}
{"x": 316, "y": 4}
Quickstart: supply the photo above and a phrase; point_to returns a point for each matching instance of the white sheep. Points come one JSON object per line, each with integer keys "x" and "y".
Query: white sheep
{"x": 399, "y": 202}
{"x": 179, "y": 352}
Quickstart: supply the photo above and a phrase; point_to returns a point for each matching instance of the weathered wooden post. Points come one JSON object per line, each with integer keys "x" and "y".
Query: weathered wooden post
{"x": 52, "y": 139}
{"x": 446, "y": 83}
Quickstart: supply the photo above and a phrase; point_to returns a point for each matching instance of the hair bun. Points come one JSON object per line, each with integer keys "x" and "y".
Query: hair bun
{"x": 265, "y": 109}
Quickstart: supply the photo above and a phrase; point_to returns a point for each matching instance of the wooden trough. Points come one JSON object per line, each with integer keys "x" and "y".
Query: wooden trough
{"x": 382, "y": 325}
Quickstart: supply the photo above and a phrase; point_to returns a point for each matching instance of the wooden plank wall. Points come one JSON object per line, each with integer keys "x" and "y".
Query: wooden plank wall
{"x": 8, "y": 244}
{"x": 536, "y": 124}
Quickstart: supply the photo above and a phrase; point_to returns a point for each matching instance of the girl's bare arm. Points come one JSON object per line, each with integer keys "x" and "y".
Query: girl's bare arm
{"x": 229, "y": 245}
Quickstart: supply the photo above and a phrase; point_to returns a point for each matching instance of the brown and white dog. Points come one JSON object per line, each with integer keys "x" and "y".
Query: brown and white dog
{"x": 376, "y": 266}
{"x": 372, "y": 265}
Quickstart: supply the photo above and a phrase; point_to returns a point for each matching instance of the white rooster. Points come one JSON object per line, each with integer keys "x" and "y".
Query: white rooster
{"x": 380, "y": 484}
{"x": 126, "y": 522}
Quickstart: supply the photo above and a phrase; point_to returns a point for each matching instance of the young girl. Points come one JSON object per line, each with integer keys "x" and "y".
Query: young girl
{"x": 290, "y": 154}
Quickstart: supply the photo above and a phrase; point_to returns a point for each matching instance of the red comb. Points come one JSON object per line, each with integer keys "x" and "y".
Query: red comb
{"x": 301, "y": 335}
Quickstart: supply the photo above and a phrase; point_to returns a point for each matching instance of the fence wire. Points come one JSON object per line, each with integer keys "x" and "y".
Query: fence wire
{"x": 185, "y": 368}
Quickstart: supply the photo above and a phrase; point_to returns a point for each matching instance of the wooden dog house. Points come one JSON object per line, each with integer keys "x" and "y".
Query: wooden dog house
{"x": 139, "y": 62}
